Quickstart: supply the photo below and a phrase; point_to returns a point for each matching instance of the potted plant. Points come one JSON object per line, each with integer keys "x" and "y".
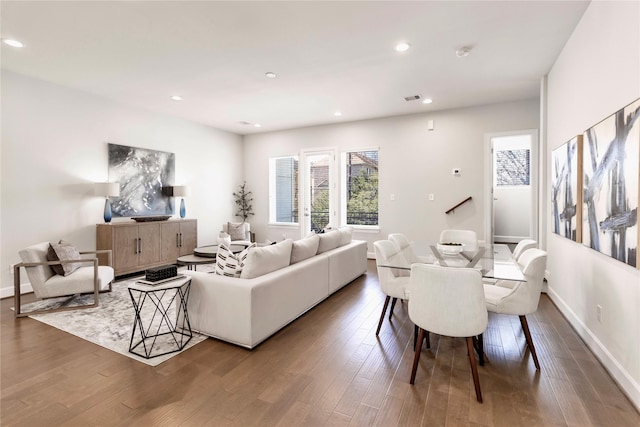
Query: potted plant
{"x": 243, "y": 202}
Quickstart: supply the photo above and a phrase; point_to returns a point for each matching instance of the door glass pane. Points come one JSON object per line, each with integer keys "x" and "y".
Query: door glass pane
{"x": 319, "y": 190}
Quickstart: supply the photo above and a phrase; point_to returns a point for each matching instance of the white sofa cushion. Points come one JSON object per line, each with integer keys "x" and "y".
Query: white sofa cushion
{"x": 304, "y": 248}
{"x": 345, "y": 235}
{"x": 328, "y": 241}
{"x": 266, "y": 259}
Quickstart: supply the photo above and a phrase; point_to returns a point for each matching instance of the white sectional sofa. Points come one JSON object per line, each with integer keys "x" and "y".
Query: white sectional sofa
{"x": 247, "y": 311}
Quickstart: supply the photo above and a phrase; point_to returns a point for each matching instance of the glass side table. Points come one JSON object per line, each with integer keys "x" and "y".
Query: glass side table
{"x": 161, "y": 324}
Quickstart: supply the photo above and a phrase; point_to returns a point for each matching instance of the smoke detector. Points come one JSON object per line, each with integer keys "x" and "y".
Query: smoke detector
{"x": 463, "y": 51}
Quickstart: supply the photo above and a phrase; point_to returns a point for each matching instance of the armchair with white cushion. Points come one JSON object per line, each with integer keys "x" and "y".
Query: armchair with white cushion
{"x": 240, "y": 232}
{"x": 79, "y": 275}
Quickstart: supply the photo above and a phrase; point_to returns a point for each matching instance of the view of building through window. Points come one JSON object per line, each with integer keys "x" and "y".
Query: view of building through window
{"x": 284, "y": 189}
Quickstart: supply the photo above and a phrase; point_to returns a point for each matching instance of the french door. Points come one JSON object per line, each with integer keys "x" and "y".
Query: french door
{"x": 318, "y": 191}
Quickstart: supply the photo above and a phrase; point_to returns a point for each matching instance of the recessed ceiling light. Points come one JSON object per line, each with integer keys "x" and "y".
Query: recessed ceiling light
{"x": 463, "y": 51}
{"x": 402, "y": 47}
{"x": 13, "y": 43}
{"x": 257, "y": 125}
{"x": 271, "y": 74}
{"x": 427, "y": 101}
{"x": 176, "y": 98}
{"x": 337, "y": 114}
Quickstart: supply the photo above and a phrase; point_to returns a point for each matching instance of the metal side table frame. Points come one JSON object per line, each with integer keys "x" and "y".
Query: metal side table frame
{"x": 154, "y": 328}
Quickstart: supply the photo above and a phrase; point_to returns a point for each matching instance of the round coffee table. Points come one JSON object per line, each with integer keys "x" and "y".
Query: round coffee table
{"x": 210, "y": 251}
{"x": 191, "y": 261}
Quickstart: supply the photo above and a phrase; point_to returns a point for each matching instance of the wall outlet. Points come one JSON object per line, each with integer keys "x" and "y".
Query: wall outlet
{"x": 393, "y": 197}
{"x": 599, "y": 313}
{"x": 431, "y": 196}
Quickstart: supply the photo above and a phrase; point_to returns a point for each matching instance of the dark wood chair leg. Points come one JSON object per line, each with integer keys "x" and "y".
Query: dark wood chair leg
{"x": 416, "y": 357}
{"x": 415, "y": 336}
{"x": 393, "y": 305}
{"x": 384, "y": 309}
{"x": 478, "y": 344}
{"x": 474, "y": 368}
{"x": 527, "y": 335}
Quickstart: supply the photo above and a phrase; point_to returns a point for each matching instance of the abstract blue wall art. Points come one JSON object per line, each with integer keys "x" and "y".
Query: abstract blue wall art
{"x": 142, "y": 173}
{"x": 611, "y": 164}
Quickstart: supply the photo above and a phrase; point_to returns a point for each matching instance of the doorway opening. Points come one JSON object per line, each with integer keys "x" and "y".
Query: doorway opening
{"x": 512, "y": 178}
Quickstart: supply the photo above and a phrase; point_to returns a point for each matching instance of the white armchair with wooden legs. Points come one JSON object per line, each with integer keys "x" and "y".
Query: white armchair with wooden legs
{"x": 448, "y": 301}
{"x": 523, "y": 298}
{"x": 391, "y": 282}
{"x": 88, "y": 277}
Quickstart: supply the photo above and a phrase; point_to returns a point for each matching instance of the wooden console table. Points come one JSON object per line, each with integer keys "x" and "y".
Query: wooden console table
{"x": 137, "y": 246}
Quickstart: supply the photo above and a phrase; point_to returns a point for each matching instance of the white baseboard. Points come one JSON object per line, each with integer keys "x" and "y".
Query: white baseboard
{"x": 7, "y": 292}
{"x": 629, "y": 386}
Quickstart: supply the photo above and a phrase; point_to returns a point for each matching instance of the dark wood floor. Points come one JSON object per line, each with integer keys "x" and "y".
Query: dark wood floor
{"x": 327, "y": 368}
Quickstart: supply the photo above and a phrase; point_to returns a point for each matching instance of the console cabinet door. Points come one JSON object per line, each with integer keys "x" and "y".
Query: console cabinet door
{"x": 125, "y": 248}
{"x": 149, "y": 241}
{"x": 189, "y": 237}
{"x": 170, "y": 241}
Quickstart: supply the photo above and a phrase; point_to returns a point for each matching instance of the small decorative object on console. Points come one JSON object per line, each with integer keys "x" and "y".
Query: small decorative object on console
{"x": 160, "y": 273}
{"x": 150, "y": 218}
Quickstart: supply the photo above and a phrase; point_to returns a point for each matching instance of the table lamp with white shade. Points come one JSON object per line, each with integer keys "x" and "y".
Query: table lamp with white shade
{"x": 107, "y": 189}
{"x": 182, "y": 191}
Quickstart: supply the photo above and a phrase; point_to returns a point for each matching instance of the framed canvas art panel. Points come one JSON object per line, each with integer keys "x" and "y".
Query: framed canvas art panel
{"x": 611, "y": 185}
{"x": 142, "y": 174}
{"x": 566, "y": 189}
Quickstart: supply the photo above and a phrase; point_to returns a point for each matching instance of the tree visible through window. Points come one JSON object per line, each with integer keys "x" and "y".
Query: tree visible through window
{"x": 361, "y": 175}
{"x": 513, "y": 167}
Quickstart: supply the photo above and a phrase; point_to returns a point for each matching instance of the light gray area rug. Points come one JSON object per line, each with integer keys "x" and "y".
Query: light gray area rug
{"x": 109, "y": 325}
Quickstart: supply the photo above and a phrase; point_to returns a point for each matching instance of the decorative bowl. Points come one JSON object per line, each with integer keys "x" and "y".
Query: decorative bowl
{"x": 450, "y": 248}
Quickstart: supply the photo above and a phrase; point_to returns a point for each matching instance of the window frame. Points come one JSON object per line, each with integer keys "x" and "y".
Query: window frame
{"x": 272, "y": 192}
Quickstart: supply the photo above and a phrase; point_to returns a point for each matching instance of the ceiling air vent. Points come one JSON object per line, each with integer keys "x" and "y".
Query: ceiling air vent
{"x": 412, "y": 98}
{"x": 243, "y": 122}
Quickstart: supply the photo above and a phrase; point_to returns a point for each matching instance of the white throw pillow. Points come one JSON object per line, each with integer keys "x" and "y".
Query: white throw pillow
{"x": 230, "y": 264}
{"x": 328, "y": 241}
{"x": 237, "y": 231}
{"x": 345, "y": 235}
{"x": 304, "y": 248}
{"x": 266, "y": 259}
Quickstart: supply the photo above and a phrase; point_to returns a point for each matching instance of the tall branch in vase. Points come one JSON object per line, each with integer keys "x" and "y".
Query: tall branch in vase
{"x": 243, "y": 202}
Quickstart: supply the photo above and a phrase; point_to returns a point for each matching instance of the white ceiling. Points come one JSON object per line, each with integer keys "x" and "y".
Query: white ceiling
{"x": 329, "y": 56}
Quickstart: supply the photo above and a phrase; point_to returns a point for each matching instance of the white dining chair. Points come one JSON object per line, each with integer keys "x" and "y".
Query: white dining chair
{"x": 448, "y": 301}
{"x": 523, "y": 298}
{"x": 405, "y": 247}
{"x": 392, "y": 284}
{"x": 468, "y": 237}
{"x": 520, "y": 248}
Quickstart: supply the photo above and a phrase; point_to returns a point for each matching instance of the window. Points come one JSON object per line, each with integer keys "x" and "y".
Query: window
{"x": 513, "y": 167}
{"x": 360, "y": 188}
{"x": 283, "y": 190}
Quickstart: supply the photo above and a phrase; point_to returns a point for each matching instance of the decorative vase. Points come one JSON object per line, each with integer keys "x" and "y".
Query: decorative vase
{"x": 107, "y": 211}
{"x": 224, "y": 238}
{"x": 183, "y": 210}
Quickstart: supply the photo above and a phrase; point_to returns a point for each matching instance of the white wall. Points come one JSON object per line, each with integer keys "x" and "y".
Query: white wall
{"x": 597, "y": 73}
{"x": 413, "y": 163}
{"x": 54, "y": 146}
